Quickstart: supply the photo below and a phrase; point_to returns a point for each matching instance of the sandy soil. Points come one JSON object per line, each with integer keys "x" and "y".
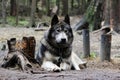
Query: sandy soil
{"x": 95, "y": 70}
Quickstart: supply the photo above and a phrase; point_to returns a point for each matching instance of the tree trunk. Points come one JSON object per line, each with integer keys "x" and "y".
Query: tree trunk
{"x": 98, "y": 16}
{"x": 58, "y": 5}
{"x": 48, "y": 8}
{"x": 4, "y": 11}
{"x": 65, "y": 7}
{"x": 72, "y": 2}
{"x": 114, "y": 14}
{"x": 87, "y": 3}
{"x": 107, "y": 12}
{"x": 83, "y": 3}
{"x": 33, "y": 9}
{"x": 17, "y": 11}
{"x": 28, "y": 5}
{"x": 92, "y": 15}
{"x": 119, "y": 11}
{"x": 13, "y": 7}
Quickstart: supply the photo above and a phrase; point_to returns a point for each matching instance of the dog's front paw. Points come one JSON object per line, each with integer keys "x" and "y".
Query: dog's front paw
{"x": 57, "y": 69}
{"x": 49, "y": 66}
{"x": 65, "y": 66}
{"x": 53, "y": 68}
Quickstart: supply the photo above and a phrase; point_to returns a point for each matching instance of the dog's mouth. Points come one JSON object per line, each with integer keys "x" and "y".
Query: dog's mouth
{"x": 62, "y": 44}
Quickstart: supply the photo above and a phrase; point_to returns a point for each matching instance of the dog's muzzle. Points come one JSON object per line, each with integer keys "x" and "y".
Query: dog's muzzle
{"x": 61, "y": 38}
{"x": 63, "y": 41}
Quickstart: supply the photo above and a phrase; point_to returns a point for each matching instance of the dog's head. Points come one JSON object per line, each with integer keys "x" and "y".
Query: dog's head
{"x": 60, "y": 34}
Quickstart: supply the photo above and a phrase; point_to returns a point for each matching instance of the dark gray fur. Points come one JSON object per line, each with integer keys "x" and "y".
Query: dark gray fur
{"x": 48, "y": 42}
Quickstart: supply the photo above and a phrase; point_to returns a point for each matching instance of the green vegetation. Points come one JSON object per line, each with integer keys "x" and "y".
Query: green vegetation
{"x": 12, "y": 21}
{"x": 23, "y": 23}
{"x": 93, "y": 55}
{"x": 89, "y": 15}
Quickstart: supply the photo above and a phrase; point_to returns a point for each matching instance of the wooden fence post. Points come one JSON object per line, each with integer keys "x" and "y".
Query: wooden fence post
{"x": 105, "y": 45}
{"x": 86, "y": 43}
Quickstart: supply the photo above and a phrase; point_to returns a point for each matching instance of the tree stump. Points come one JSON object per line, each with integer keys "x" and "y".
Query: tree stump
{"x": 29, "y": 47}
{"x": 11, "y": 44}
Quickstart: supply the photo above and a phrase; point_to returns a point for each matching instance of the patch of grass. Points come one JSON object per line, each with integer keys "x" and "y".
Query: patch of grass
{"x": 93, "y": 55}
{"x": 11, "y": 20}
{"x": 23, "y": 23}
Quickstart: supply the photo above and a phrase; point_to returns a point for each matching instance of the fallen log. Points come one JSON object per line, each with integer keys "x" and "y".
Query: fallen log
{"x": 41, "y": 26}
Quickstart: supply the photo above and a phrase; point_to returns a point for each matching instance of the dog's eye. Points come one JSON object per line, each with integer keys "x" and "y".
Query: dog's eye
{"x": 65, "y": 31}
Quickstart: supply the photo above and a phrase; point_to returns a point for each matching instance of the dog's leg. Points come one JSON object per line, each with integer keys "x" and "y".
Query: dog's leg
{"x": 49, "y": 66}
{"x": 65, "y": 66}
{"x": 76, "y": 61}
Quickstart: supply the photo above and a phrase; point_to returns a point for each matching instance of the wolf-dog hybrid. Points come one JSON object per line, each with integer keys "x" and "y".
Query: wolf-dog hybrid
{"x": 55, "y": 51}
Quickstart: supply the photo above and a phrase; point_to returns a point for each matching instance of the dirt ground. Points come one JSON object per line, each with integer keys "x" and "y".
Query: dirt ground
{"x": 96, "y": 70}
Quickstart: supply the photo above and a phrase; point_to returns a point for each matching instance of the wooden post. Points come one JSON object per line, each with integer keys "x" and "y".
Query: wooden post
{"x": 86, "y": 43}
{"x": 105, "y": 45}
{"x": 105, "y": 48}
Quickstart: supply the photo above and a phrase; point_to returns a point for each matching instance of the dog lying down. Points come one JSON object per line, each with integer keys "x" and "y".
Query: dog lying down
{"x": 55, "y": 51}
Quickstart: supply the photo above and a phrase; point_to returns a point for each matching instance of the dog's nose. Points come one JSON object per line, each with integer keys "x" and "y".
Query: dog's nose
{"x": 63, "y": 40}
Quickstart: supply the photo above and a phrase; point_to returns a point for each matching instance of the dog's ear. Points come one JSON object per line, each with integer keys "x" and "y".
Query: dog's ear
{"x": 54, "y": 20}
{"x": 67, "y": 19}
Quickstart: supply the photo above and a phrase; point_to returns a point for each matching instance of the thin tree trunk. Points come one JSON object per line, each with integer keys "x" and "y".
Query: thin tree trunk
{"x": 17, "y": 11}
{"x": 107, "y": 12}
{"x": 119, "y": 10}
{"x": 4, "y": 12}
{"x": 48, "y": 8}
{"x": 72, "y": 2}
{"x": 98, "y": 16}
{"x": 28, "y": 5}
{"x": 58, "y": 5}
{"x": 33, "y": 9}
{"x": 65, "y": 7}
{"x": 13, "y": 7}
